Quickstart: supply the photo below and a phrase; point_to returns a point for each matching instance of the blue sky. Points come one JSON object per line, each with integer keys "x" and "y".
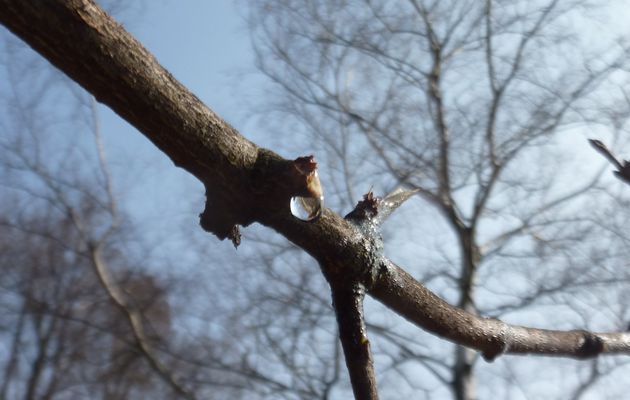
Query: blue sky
{"x": 202, "y": 43}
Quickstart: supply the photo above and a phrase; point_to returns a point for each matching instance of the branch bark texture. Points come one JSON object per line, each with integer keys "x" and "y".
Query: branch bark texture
{"x": 348, "y": 303}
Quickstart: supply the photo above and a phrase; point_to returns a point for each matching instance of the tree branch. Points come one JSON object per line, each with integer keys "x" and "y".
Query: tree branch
{"x": 491, "y": 337}
{"x": 348, "y": 303}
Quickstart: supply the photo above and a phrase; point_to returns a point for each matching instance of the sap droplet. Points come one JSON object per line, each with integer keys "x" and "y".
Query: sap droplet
{"x": 307, "y": 208}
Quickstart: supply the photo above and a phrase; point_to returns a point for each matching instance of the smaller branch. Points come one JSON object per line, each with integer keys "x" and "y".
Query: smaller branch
{"x": 489, "y": 49}
{"x": 348, "y": 303}
{"x": 399, "y": 291}
{"x": 102, "y": 160}
{"x": 437, "y": 109}
{"x": 623, "y": 171}
{"x": 497, "y": 94}
{"x": 602, "y": 149}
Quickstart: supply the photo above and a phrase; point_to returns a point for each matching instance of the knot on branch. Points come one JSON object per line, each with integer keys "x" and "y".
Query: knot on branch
{"x": 591, "y": 345}
{"x": 365, "y": 210}
{"x": 262, "y": 191}
{"x": 367, "y": 216}
{"x": 364, "y": 217}
{"x": 497, "y": 348}
{"x": 498, "y": 344}
{"x": 219, "y": 218}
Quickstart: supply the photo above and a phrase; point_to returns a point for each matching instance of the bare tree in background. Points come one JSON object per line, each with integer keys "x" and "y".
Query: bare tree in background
{"x": 63, "y": 338}
{"x": 73, "y": 325}
{"x": 483, "y": 106}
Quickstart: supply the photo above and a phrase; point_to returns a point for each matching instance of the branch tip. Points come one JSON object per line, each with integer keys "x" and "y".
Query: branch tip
{"x": 305, "y": 164}
{"x": 365, "y": 209}
{"x": 623, "y": 172}
{"x": 235, "y": 236}
{"x": 307, "y": 177}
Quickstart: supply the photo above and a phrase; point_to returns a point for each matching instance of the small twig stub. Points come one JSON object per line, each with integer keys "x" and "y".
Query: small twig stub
{"x": 623, "y": 168}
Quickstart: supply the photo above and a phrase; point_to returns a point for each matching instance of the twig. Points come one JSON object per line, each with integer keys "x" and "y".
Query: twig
{"x": 602, "y": 149}
{"x": 623, "y": 171}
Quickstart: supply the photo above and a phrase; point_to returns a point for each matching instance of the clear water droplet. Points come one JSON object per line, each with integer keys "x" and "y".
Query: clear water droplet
{"x": 306, "y": 208}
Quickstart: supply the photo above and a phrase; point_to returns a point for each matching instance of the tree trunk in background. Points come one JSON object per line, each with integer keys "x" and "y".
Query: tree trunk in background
{"x": 464, "y": 386}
